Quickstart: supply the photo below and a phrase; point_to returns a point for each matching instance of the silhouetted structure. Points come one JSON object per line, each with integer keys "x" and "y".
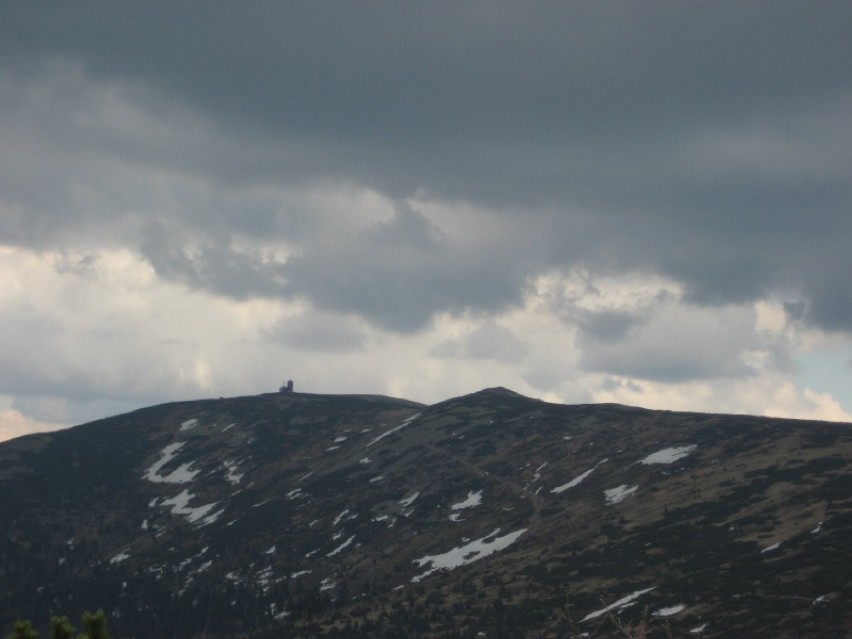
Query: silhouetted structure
{"x": 286, "y": 388}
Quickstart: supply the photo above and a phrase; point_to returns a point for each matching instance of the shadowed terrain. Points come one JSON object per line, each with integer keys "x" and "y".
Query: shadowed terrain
{"x": 365, "y": 516}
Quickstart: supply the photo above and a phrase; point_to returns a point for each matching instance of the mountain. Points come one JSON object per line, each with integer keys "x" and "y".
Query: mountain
{"x": 492, "y": 514}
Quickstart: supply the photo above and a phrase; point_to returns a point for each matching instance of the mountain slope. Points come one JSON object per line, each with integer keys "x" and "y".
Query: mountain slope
{"x": 308, "y": 515}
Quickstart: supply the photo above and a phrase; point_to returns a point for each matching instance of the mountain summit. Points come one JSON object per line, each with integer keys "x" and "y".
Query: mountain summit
{"x": 306, "y": 515}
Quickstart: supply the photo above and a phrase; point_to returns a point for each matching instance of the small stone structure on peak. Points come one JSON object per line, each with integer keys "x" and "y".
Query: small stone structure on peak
{"x": 286, "y": 388}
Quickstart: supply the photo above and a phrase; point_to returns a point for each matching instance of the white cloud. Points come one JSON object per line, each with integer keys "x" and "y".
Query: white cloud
{"x": 13, "y": 423}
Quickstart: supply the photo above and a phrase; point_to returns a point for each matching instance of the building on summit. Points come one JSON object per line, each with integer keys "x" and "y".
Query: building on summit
{"x": 286, "y": 388}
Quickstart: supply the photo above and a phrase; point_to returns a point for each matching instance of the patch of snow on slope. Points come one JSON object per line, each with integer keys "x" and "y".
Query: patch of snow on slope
{"x": 698, "y": 629}
{"x": 393, "y": 430}
{"x": 817, "y": 528}
{"x": 621, "y": 603}
{"x": 577, "y": 479}
{"x": 470, "y": 552}
{"x": 180, "y": 506}
{"x": 233, "y": 476}
{"x": 617, "y": 494}
{"x": 774, "y": 546}
{"x": 341, "y": 547}
{"x": 119, "y": 558}
{"x": 180, "y": 475}
{"x": 668, "y": 455}
{"x": 473, "y": 499}
{"x": 671, "y": 610}
{"x": 405, "y": 503}
{"x": 189, "y": 424}
{"x": 340, "y": 517}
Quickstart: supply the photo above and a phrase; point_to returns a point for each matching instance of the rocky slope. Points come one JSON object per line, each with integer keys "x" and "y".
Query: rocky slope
{"x": 315, "y": 515}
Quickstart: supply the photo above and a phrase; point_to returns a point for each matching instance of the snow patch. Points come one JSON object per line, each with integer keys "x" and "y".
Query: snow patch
{"x": 774, "y": 546}
{"x": 473, "y": 499}
{"x": 621, "y": 603}
{"x": 671, "y": 610}
{"x": 180, "y": 506}
{"x": 405, "y": 503}
{"x": 233, "y": 476}
{"x": 616, "y": 495}
{"x": 668, "y": 455}
{"x": 698, "y": 629}
{"x": 393, "y": 430}
{"x": 470, "y": 552}
{"x": 817, "y": 528}
{"x": 180, "y": 475}
{"x": 119, "y": 558}
{"x": 577, "y": 479}
{"x": 189, "y": 424}
{"x": 341, "y": 547}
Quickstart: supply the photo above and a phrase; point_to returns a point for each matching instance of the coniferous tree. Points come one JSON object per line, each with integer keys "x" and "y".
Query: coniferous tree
{"x": 94, "y": 625}
{"x": 61, "y": 628}
{"x": 23, "y": 630}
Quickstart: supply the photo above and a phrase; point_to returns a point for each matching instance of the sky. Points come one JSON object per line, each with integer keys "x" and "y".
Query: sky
{"x": 647, "y": 203}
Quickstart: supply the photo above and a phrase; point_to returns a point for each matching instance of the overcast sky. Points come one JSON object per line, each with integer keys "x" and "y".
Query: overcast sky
{"x": 641, "y": 202}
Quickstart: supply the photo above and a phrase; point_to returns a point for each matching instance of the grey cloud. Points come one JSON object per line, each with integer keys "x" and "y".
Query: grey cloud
{"x": 608, "y": 326}
{"x": 324, "y": 332}
{"x": 703, "y": 141}
{"x": 212, "y": 265}
{"x": 398, "y": 273}
{"x": 676, "y": 344}
{"x": 489, "y": 341}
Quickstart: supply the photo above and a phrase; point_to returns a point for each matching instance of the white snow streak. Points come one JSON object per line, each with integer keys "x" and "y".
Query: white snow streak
{"x": 621, "y": 603}
{"x": 668, "y": 455}
{"x": 405, "y": 503}
{"x": 393, "y": 430}
{"x": 233, "y": 476}
{"x": 468, "y": 553}
{"x": 671, "y": 610}
{"x": 189, "y": 424}
{"x": 473, "y": 499}
{"x": 180, "y": 506}
{"x": 617, "y": 494}
{"x": 774, "y": 546}
{"x": 180, "y": 475}
{"x": 577, "y": 479}
{"x": 341, "y": 547}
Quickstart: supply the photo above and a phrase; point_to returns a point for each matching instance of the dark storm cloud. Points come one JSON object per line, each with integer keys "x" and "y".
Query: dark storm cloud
{"x": 398, "y": 273}
{"x": 704, "y": 141}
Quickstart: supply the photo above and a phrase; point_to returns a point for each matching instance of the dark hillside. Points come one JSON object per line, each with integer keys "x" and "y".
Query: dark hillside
{"x": 366, "y": 516}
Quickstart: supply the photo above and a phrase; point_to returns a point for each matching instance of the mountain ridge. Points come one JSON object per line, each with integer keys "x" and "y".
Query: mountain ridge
{"x": 363, "y": 515}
